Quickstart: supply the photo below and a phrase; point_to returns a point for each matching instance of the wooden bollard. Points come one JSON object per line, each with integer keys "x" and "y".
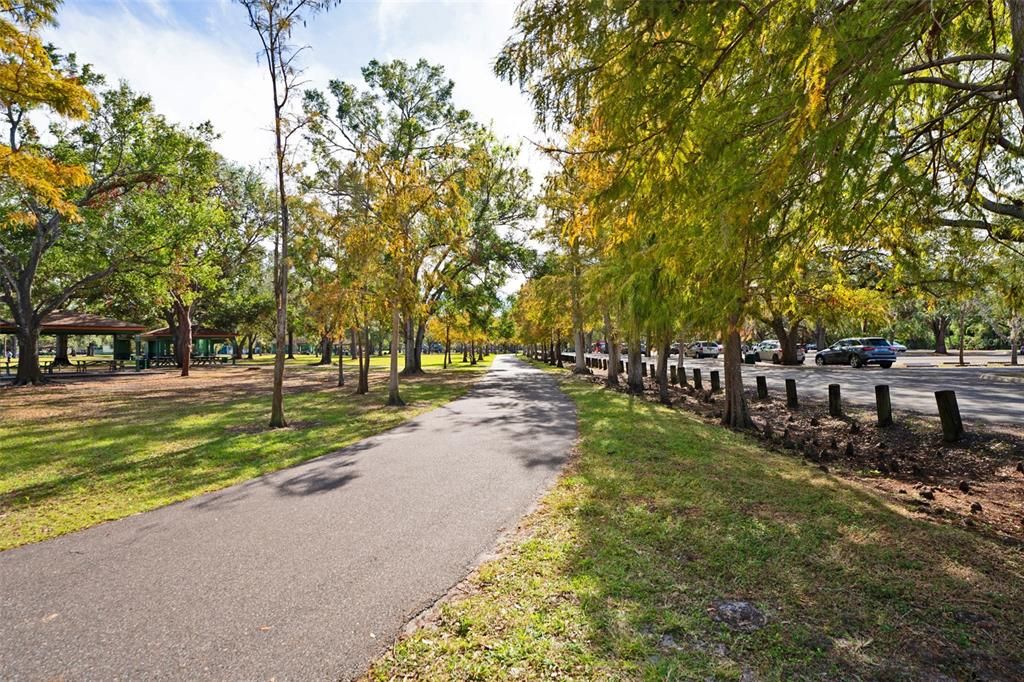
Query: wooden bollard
{"x": 673, "y": 378}
{"x": 716, "y": 381}
{"x": 791, "y": 401}
{"x": 883, "y": 405}
{"x": 697, "y": 382}
{"x": 653, "y": 374}
{"x": 762, "y": 388}
{"x": 604, "y": 364}
{"x": 949, "y": 413}
{"x": 835, "y": 401}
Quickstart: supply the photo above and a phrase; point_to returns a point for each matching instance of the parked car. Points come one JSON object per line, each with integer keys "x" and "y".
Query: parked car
{"x": 811, "y": 347}
{"x": 898, "y": 347}
{"x": 625, "y": 349}
{"x": 770, "y": 350}
{"x": 858, "y": 352}
{"x": 599, "y": 347}
{"x": 673, "y": 349}
{"x": 703, "y": 349}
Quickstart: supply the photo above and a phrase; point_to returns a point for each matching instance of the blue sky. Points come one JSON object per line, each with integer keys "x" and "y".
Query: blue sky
{"x": 198, "y": 58}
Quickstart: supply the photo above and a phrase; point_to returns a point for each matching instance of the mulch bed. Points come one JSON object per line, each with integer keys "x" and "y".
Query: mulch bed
{"x": 977, "y": 482}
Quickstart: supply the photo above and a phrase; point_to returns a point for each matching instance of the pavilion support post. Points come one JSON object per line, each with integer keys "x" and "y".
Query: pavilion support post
{"x": 60, "y": 356}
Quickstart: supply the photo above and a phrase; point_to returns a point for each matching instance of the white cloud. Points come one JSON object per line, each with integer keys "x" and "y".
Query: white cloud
{"x": 191, "y": 76}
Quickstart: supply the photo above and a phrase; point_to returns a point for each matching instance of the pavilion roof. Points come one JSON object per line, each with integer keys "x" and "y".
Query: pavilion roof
{"x": 198, "y": 332}
{"x": 74, "y": 322}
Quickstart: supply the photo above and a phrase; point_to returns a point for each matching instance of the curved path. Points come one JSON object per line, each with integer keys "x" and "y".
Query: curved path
{"x": 307, "y": 573}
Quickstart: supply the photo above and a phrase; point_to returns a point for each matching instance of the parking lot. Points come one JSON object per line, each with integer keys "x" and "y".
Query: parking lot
{"x": 986, "y": 391}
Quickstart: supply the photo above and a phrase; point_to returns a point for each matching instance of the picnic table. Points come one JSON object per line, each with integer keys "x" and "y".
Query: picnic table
{"x": 84, "y": 365}
{"x": 210, "y": 359}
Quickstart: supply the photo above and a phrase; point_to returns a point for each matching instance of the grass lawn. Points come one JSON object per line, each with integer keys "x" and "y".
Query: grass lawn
{"x": 661, "y": 515}
{"x": 81, "y": 452}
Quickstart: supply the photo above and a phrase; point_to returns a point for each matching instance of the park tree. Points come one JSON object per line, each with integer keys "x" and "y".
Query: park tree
{"x": 730, "y": 133}
{"x": 36, "y": 78}
{"x": 274, "y": 21}
{"x": 1007, "y": 298}
{"x": 398, "y": 149}
{"x": 59, "y": 253}
{"x": 435, "y": 191}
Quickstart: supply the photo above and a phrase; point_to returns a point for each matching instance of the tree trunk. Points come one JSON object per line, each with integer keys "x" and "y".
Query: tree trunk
{"x": 1015, "y": 325}
{"x": 819, "y": 334}
{"x": 787, "y": 339}
{"x": 472, "y": 352}
{"x": 396, "y": 331}
{"x": 236, "y": 347}
{"x": 29, "y": 372}
{"x": 962, "y": 334}
{"x": 736, "y": 413}
{"x": 681, "y": 363}
{"x": 352, "y": 341}
{"x": 341, "y": 360}
{"x": 363, "y": 386}
{"x": 581, "y": 354}
{"x": 635, "y": 368}
{"x": 612, "y": 347}
{"x": 414, "y": 349}
{"x": 325, "y": 350}
{"x": 447, "y": 346}
{"x": 184, "y": 318}
{"x": 252, "y": 343}
{"x": 291, "y": 345}
{"x": 558, "y": 351}
{"x": 940, "y": 327}
{"x": 409, "y": 340}
{"x": 662, "y": 371}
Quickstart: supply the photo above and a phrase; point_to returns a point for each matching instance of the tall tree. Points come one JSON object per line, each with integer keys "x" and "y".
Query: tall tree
{"x": 273, "y": 21}
{"x": 61, "y": 249}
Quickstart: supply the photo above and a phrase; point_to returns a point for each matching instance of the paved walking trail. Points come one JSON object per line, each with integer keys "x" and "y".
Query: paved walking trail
{"x": 306, "y": 573}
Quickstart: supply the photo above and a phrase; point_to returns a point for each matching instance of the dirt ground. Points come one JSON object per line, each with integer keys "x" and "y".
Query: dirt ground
{"x": 977, "y": 482}
{"x": 93, "y": 396}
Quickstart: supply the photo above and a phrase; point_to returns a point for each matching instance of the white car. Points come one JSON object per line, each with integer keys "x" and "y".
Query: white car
{"x": 771, "y": 351}
{"x": 703, "y": 349}
{"x": 898, "y": 347}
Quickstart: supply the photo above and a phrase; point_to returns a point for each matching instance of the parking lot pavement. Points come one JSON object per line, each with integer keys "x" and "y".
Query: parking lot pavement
{"x": 912, "y": 387}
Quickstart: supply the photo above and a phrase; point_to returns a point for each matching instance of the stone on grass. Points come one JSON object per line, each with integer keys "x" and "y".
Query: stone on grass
{"x": 964, "y": 486}
{"x": 975, "y": 507}
{"x": 738, "y": 614}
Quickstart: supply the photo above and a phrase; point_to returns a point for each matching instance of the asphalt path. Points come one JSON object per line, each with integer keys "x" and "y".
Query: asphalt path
{"x": 980, "y": 394}
{"x": 303, "y": 574}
